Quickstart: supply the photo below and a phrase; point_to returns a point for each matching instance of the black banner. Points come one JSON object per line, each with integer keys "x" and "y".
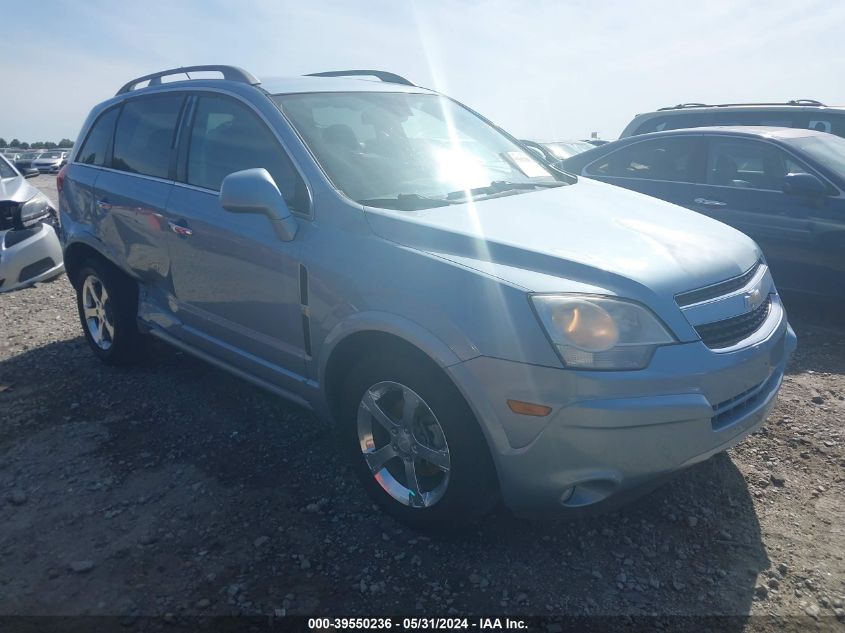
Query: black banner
{"x": 546, "y": 624}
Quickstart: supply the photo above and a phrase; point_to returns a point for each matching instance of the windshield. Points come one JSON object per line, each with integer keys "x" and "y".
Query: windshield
{"x": 827, "y": 149}
{"x": 409, "y": 151}
{"x": 52, "y": 155}
{"x": 29, "y": 155}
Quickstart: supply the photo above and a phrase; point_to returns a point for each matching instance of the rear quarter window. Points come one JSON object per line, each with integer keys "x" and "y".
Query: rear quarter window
{"x": 94, "y": 148}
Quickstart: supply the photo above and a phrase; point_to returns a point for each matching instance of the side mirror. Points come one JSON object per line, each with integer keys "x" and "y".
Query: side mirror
{"x": 804, "y": 185}
{"x": 254, "y": 191}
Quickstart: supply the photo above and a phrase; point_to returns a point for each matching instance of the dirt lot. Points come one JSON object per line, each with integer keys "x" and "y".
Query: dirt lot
{"x": 173, "y": 488}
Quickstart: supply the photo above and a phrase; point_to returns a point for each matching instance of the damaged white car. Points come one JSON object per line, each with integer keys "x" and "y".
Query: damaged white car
{"x": 29, "y": 248}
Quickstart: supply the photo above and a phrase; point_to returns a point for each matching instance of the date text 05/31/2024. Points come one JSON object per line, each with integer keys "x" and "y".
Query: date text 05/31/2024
{"x": 482, "y": 624}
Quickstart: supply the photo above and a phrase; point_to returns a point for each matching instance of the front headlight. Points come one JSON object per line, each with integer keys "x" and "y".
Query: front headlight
{"x": 591, "y": 332}
{"x": 35, "y": 210}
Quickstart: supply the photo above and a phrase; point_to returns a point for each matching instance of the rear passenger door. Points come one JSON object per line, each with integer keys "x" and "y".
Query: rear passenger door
{"x": 76, "y": 197}
{"x": 235, "y": 284}
{"x": 130, "y": 196}
{"x": 744, "y": 189}
{"x": 668, "y": 167}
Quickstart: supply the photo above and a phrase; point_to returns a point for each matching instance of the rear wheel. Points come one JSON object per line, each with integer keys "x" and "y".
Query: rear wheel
{"x": 416, "y": 445}
{"x": 108, "y": 310}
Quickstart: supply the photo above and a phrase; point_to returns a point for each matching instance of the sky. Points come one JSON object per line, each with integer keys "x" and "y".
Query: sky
{"x": 542, "y": 69}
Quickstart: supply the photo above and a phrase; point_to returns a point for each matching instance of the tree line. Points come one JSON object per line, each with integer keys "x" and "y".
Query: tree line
{"x": 16, "y": 144}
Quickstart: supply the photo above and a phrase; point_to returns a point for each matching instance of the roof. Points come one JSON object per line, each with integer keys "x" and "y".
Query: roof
{"x": 360, "y": 80}
{"x": 792, "y": 103}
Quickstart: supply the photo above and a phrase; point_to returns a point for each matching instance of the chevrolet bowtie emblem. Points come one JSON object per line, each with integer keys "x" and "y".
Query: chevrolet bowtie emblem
{"x": 753, "y": 298}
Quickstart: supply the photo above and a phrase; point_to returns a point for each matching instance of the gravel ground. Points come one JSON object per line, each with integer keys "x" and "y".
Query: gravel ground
{"x": 173, "y": 488}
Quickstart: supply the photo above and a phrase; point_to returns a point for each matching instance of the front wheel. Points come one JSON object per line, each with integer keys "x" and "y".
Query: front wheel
{"x": 415, "y": 444}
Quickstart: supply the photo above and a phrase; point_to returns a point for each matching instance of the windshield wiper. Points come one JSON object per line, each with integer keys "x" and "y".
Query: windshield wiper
{"x": 500, "y": 186}
{"x": 407, "y": 202}
{"x": 416, "y": 202}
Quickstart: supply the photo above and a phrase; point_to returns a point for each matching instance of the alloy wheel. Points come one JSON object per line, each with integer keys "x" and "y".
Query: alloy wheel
{"x": 403, "y": 444}
{"x": 97, "y": 312}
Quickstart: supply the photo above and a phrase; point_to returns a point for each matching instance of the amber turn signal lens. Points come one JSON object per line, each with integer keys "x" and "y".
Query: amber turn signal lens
{"x": 529, "y": 408}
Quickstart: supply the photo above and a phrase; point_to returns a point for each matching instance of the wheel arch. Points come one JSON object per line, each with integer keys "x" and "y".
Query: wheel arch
{"x": 77, "y": 253}
{"x": 75, "y": 256}
{"x": 375, "y": 333}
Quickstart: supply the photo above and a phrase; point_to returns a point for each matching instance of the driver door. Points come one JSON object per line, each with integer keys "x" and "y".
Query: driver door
{"x": 235, "y": 284}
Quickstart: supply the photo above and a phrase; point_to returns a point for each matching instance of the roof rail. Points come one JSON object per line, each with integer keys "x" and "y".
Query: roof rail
{"x": 793, "y": 102}
{"x": 391, "y": 78}
{"x": 681, "y": 106}
{"x": 230, "y": 73}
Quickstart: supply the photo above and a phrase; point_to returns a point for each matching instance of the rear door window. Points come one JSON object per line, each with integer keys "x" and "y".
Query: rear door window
{"x": 94, "y": 148}
{"x": 674, "y": 158}
{"x": 143, "y": 141}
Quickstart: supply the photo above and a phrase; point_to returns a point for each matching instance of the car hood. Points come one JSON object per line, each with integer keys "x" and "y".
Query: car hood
{"x": 583, "y": 237}
{"x": 16, "y": 190}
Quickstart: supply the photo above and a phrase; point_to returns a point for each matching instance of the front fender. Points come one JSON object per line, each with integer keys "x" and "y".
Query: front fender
{"x": 396, "y": 325}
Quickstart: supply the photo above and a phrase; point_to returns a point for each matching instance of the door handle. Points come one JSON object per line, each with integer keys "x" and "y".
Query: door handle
{"x": 710, "y": 203}
{"x": 104, "y": 205}
{"x": 180, "y": 229}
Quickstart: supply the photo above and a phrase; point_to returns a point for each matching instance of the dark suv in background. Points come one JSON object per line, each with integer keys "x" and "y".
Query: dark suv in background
{"x": 800, "y": 113}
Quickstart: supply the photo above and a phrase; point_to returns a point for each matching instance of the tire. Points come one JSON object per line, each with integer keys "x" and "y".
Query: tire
{"x": 444, "y": 430}
{"x": 110, "y": 325}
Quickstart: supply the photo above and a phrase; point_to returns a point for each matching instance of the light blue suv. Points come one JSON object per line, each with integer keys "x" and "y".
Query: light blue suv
{"x": 477, "y": 325}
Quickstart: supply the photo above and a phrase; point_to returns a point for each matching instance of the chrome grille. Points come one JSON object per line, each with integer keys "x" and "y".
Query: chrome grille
{"x": 721, "y": 334}
{"x": 716, "y": 290}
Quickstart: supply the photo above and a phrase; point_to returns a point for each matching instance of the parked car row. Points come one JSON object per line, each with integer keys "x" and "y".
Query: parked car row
{"x": 50, "y": 162}
{"x": 23, "y": 162}
{"x": 479, "y": 324}
{"x": 37, "y": 161}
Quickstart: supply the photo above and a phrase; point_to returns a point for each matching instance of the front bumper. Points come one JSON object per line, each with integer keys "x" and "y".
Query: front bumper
{"x": 28, "y": 256}
{"x": 49, "y": 169}
{"x": 611, "y": 433}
